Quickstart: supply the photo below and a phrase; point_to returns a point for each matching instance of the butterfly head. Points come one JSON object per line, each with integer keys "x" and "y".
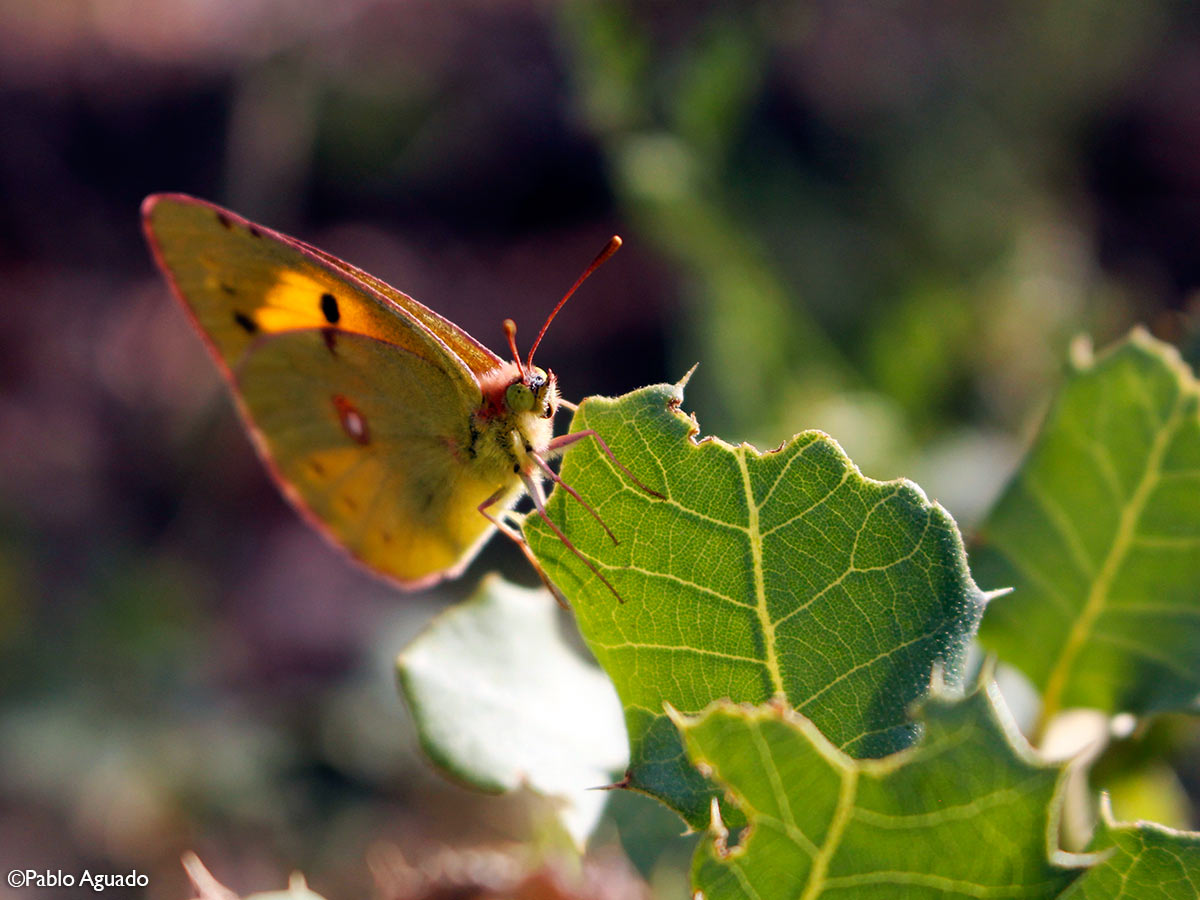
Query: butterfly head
{"x": 534, "y": 390}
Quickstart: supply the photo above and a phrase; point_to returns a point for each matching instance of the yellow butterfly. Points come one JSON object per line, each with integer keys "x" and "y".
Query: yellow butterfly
{"x": 394, "y": 432}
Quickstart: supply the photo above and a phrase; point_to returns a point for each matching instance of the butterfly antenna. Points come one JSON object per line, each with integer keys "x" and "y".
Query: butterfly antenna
{"x": 510, "y": 331}
{"x": 614, "y": 244}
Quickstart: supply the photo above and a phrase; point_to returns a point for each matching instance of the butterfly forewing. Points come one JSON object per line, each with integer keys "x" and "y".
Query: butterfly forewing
{"x": 479, "y": 359}
{"x": 242, "y": 281}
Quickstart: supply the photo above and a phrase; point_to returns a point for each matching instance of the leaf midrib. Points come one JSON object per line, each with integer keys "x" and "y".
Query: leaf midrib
{"x": 1098, "y": 593}
{"x": 760, "y": 588}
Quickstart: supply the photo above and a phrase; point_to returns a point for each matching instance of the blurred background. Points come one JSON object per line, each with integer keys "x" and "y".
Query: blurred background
{"x": 885, "y": 220}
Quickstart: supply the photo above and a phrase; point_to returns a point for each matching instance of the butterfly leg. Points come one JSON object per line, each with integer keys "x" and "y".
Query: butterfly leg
{"x": 557, "y": 479}
{"x": 539, "y": 502}
{"x": 519, "y": 539}
{"x": 563, "y": 441}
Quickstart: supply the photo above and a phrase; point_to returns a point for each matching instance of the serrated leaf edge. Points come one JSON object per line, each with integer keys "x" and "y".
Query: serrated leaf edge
{"x": 1111, "y": 822}
{"x": 812, "y": 436}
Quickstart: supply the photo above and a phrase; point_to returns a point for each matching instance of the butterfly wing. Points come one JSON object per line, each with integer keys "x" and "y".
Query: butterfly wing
{"x": 372, "y": 443}
{"x": 479, "y": 359}
{"x": 241, "y": 281}
{"x": 358, "y": 398}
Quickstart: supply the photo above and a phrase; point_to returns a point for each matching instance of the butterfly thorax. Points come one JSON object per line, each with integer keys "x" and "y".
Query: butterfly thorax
{"x": 515, "y": 419}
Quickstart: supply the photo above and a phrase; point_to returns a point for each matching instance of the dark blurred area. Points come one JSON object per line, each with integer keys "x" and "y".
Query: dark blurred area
{"x": 885, "y": 220}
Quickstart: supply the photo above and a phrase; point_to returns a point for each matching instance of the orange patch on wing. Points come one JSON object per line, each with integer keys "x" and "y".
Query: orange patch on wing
{"x": 296, "y": 300}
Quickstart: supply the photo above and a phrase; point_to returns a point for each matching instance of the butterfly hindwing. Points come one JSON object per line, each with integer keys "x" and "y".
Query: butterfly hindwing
{"x": 372, "y": 443}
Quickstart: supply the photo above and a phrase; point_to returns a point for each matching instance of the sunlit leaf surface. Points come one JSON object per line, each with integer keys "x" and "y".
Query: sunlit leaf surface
{"x": 1099, "y": 534}
{"x": 782, "y": 574}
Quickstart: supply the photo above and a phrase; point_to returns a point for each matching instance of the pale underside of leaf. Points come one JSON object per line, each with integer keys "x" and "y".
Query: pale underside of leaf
{"x": 501, "y": 701}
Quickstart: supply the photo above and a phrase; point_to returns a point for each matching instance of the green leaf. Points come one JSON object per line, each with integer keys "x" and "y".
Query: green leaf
{"x": 782, "y": 574}
{"x": 501, "y": 701}
{"x": 964, "y": 814}
{"x": 1146, "y": 862}
{"x": 1099, "y": 534}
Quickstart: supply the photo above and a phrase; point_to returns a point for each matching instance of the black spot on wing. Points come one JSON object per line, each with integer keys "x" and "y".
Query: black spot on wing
{"x": 228, "y": 289}
{"x": 330, "y": 336}
{"x": 224, "y": 220}
{"x": 254, "y": 232}
{"x": 246, "y": 323}
{"x": 329, "y": 308}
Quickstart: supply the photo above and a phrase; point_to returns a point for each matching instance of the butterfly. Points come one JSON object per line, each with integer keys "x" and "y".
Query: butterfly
{"x": 395, "y": 433}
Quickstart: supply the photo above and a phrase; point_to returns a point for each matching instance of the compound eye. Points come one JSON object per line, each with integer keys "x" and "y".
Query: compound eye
{"x": 519, "y": 397}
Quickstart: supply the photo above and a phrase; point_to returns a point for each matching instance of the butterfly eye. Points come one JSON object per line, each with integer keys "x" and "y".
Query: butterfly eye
{"x": 519, "y": 397}
{"x": 540, "y": 382}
